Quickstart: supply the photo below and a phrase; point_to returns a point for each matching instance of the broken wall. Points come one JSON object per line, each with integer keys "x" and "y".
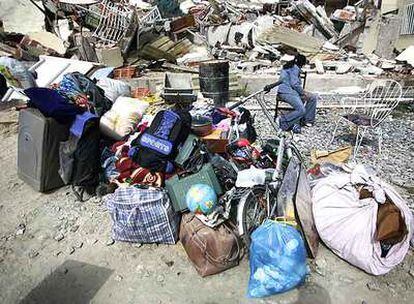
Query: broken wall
{"x": 390, "y": 5}
{"x": 389, "y": 30}
{"x": 404, "y": 41}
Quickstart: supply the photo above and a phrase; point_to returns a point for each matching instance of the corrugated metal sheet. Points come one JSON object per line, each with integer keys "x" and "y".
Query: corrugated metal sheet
{"x": 407, "y": 26}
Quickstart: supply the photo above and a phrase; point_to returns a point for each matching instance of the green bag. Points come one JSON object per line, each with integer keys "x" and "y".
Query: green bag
{"x": 186, "y": 150}
{"x": 178, "y": 187}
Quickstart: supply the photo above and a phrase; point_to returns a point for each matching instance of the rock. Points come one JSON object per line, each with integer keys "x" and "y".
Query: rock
{"x": 92, "y": 241}
{"x": 79, "y": 245}
{"x": 71, "y": 250}
{"x": 96, "y": 200}
{"x": 21, "y": 229}
{"x": 140, "y": 268}
{"x": 146, "y": 274}
{"x": 160, "y": 278}
{"x": 42, "y": 237}
{"x": 321, "y": 266}
{"x": 319, "y": 67}
{"x": 110, "y": 242}
{"x": 74, "y": 228}
{"x": 373, "y": 286}
{"x": 33, "y": 253}
{"x": 59, "y": 236}
{"x": 57, "y": 253}
{"x": 119, "y": 278}
{"x": 169, "y": 263}
{"x": 345, "y": 280}
{"x": 343, "y": 67}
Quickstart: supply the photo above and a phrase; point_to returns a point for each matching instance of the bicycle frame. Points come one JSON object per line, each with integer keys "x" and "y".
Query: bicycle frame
{"x": 285, "y": 146}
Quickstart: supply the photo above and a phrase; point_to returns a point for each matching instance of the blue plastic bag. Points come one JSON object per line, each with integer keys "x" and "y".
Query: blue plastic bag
{"x": 277, "y": 259}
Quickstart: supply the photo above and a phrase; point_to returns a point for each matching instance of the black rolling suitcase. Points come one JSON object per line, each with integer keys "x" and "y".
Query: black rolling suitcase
{"x": 38, "y": 150}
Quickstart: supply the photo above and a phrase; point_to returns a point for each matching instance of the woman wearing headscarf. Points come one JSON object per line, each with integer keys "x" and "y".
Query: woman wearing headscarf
{"x": 290, "y": 90}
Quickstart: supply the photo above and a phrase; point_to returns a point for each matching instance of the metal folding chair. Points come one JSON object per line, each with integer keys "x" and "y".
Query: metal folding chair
{"x": 368, "y": 112}
{"x": 303, "y": 76}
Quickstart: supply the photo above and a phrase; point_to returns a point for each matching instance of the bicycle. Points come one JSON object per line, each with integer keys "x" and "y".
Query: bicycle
{"x": 261, "y": 202}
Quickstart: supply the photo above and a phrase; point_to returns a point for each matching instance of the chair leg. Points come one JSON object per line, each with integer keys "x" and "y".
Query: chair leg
{"x": 334, "y": 132}
{"x": 379, "y": 140}
{"x": 358, "y": 140}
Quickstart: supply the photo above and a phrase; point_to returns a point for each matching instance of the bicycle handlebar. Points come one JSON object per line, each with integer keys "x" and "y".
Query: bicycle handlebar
{"x": 239, "y": 103}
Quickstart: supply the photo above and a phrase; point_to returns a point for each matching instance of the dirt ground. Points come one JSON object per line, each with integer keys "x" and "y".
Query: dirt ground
{"x": 56, "y": 250}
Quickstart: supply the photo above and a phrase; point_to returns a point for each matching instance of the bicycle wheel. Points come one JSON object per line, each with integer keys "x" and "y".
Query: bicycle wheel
{"x": 253, "y": 210}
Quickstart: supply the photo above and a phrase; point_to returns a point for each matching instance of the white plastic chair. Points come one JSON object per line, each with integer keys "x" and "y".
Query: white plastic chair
{"x": 370, "y": 110}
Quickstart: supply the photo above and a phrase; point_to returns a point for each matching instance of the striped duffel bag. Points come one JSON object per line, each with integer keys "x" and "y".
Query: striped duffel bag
{"x": 143, "y": 215}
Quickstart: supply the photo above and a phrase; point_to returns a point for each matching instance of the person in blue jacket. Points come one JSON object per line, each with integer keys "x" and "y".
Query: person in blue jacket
{"x": 291, "y": 91}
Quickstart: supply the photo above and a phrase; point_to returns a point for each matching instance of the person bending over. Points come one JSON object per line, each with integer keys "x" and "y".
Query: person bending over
{"x": 290, "y": 90}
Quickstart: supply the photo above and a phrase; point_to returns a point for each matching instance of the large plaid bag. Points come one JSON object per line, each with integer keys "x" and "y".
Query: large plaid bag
{"x": 143, "y": 215}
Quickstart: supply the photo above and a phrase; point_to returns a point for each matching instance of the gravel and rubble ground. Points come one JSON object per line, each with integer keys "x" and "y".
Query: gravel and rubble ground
{"x": 53, "y": 247}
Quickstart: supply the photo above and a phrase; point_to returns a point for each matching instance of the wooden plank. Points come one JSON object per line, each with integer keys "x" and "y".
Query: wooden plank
{"x": 160, "y": 41}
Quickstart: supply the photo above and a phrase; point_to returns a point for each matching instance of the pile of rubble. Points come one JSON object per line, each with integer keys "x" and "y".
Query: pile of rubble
{"x": 253, "y": 35}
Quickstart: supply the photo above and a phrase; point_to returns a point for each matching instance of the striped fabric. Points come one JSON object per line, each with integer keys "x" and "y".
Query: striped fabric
{"x": 143, "y": 215}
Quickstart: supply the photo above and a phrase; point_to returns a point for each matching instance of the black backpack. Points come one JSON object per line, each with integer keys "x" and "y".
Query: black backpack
{"x": 247, "y": 122}
{"x": 157, "y": 146}
{"x": 96, "y": 95}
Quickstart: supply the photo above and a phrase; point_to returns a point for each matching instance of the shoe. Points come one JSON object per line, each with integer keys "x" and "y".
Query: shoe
{"x": 309, "y": 124}
{"x": 296, "y": 129}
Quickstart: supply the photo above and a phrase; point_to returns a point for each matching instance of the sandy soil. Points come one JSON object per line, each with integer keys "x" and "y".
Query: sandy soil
{"x": 37, "y": 265}
{"x": 85, "y": 267}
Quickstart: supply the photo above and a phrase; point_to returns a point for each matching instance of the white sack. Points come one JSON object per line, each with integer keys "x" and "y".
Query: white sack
{"x": 347, "y": 225}
{"x": 122, "y": 118}
{"x": 114, "y": 88}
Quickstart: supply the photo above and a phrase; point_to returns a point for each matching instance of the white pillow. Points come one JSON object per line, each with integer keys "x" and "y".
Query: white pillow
{"x": 123, "y": 117}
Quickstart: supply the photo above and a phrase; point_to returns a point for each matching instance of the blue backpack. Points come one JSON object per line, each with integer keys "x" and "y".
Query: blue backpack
{"x": 157, "y": 146}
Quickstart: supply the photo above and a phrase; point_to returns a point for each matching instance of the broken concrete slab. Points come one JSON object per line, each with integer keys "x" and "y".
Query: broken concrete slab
{"x": 343, "y": 67}
{"x": 319, "y": 67}
{"x": 388, "y": 64}
{"x": 407, "y": 56}
{"x": 49, "y": 40}
{"x": 371, "y": 70}
{"x": 369, "y": 38}
{"x": 110, "y": 56}
{"x": 281, "y": 35}
{"x": 317, "y": 17}
{"x": 389, "y": 32}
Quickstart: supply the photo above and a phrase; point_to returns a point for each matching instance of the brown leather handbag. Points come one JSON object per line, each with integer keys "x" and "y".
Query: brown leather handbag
{"x": 211, "y": 250}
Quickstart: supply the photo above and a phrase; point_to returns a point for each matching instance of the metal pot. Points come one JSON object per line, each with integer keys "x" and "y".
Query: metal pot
{"x": 201, "y": 126}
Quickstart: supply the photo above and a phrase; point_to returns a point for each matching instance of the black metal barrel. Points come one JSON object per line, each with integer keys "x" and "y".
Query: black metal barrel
{"x": 214, "y": 81}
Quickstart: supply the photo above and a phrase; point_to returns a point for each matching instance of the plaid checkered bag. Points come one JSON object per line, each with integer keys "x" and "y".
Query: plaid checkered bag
{"x": 143, "y": 215}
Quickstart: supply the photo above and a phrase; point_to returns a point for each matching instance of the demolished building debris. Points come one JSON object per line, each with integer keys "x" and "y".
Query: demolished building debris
{"x": 151, "y": 106}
